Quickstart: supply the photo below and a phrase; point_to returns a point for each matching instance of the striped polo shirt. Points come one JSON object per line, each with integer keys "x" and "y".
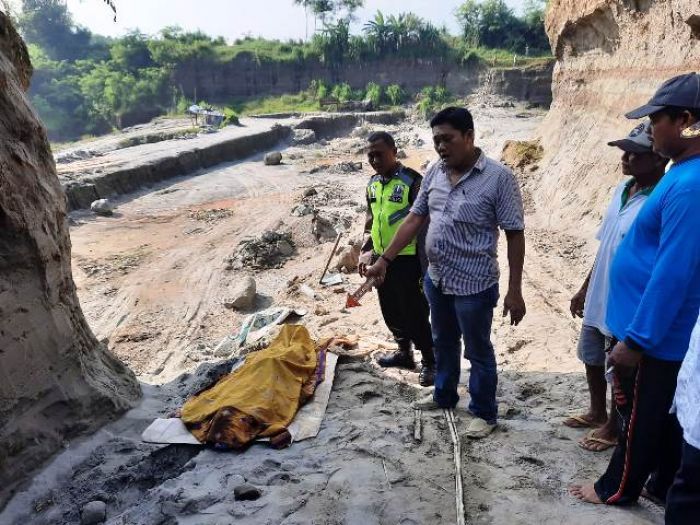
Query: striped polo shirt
{"x": 462, "y": 240}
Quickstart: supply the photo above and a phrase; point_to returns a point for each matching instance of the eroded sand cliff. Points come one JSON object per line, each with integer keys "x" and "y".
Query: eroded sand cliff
{"x": 611, "y": 56}
{"x": 56, "y": 380}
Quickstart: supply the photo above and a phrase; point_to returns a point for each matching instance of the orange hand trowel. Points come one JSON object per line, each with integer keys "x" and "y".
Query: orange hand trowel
{"x": 354, "y": 298}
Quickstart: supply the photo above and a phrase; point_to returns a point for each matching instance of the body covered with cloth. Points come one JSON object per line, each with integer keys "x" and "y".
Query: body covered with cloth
{"x": 261, "y": 397}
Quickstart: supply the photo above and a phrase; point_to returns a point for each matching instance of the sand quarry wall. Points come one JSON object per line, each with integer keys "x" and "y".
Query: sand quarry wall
{"x": 245, "y": 76}
{"x": 611, "y": 56}
{"x": 56, "y": 380}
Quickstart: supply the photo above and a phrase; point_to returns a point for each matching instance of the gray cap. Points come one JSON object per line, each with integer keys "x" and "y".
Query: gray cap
{"x": 638, "y": 141}
{"x": 682, "y": 91}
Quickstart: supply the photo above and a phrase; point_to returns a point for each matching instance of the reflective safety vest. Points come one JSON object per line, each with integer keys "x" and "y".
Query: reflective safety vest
{"x": 390, "y": 206}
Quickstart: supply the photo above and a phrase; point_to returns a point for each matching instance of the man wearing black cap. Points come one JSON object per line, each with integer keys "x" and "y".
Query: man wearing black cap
{"x": 646, "y": 169}
{"x": 653, "y": 306}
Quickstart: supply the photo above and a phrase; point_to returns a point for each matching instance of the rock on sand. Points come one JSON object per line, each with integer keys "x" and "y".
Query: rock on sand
{"x": 273, "y": 158}
{"x": 102, "y": 207}
{"x": 303, "y": 137}
{"x": 246, "y": 492}
{"x": 93, "y": 512}
{"x": 243, "y": 296}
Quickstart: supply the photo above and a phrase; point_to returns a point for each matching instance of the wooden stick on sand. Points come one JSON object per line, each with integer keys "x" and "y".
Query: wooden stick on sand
{"x": 330, "y": 257}
{"x": 457, "y": 445}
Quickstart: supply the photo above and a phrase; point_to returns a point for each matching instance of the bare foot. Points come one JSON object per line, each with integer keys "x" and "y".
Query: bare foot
{"x": 585, "y": 493}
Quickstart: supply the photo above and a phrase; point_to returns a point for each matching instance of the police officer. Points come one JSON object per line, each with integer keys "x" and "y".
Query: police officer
{"x": 390, "y": 194}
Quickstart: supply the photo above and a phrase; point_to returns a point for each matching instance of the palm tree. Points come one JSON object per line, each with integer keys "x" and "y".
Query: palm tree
{"x": 378, "y": 32}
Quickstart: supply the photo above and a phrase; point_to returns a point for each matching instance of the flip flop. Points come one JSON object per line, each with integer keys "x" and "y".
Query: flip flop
{"x": 590, "y": 439}
{"x": 580, "y": 422}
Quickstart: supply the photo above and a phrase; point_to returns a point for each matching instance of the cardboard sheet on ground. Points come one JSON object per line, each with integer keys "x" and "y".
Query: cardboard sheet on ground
{"x": 306, "y": 424}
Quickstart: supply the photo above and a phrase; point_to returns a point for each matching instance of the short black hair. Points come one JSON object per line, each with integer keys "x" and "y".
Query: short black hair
{"x": 383, "y": 136}
{"x": 675, "y": 112}
{"x": 458, "y": 118}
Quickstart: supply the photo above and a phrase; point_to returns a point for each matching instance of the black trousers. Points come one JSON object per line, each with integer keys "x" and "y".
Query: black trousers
{"x": 650, "y": 440}
{"x": 683, "y": 501}
{"x": 405, "y": 308}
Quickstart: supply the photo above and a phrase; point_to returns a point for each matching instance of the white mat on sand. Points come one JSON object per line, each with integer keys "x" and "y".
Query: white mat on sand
{"x": 306, "y": 424}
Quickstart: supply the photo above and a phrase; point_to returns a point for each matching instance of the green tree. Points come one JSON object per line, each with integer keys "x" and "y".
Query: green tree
{"x": 113, "y": 94}
{"x": 534, "y": 33}
{"x": 333, "y": 43}
{"x": 49, "y": 24}
{"x": 492, "y": 24}
{"x": 132, "y": 52}
{"x": 499, "y": 25}
{"x": 176, "y": 47}
{"x": 405, "y": 35}
{"x": 378, "y": 33}
{"x": 327, "y": 10}
{"x": 55, "y": 93}
{"x": 469, "y": 16}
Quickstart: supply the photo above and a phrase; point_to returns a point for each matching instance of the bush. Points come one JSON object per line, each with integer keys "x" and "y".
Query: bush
{"x": 432, "y": 99}
{"x": 181, "y": 105}
{"x": 442, "y": 95}
{"x": 318, "y": 89}
{"x": 231, "y": 118}
{"x": 343, "y": 92}
{"x": 373, "y": 92}
{"x": 396, "y": 95}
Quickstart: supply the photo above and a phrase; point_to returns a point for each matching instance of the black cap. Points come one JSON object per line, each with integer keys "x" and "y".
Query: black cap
{"x": 681, "y": 91}
{"x": 638, "y": 140}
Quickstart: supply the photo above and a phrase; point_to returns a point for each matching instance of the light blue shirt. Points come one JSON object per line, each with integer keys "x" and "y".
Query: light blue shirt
{"x": 687, "y": 401}
{"x": 616, "y": 223}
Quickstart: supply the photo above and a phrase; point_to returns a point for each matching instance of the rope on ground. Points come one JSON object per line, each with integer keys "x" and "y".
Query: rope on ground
{"x": 457, "y": 446}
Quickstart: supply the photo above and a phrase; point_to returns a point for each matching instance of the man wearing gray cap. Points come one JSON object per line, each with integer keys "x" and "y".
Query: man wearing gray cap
{"x": 653, "y": 306}
{"x": 646, "y": 168}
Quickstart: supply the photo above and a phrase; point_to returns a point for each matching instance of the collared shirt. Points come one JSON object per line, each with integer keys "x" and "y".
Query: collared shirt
{"x": 687, "y": 402}
{"x": 622, "y": 212}
{"x": 462, "y": 238}
{"x": 655, "y": 274}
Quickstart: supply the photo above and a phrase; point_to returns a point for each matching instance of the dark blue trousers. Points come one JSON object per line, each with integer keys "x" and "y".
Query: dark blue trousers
{"x": 650, "y": 437}
{"x": 468, "y": 317}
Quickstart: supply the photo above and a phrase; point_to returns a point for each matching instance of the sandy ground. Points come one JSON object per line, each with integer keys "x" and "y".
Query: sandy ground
{"x": 152, "y": 280}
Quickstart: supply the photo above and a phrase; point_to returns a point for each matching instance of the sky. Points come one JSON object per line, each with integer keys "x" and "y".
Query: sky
{"x": 275, "y": 19}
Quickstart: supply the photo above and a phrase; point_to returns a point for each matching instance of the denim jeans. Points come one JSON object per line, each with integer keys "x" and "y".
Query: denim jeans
{"x": 454, "y": 317}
